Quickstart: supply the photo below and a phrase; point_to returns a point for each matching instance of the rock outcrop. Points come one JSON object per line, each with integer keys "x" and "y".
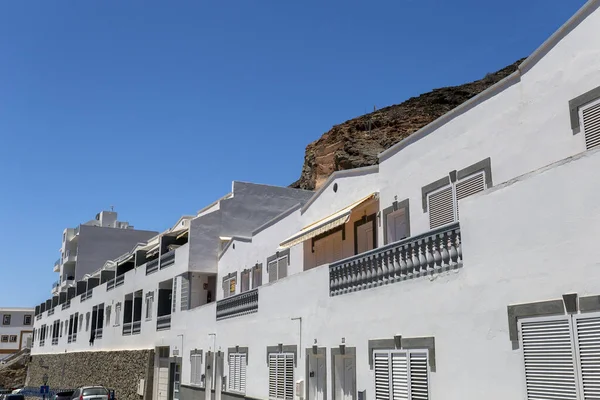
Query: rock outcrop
{"x": 357, "y": 142}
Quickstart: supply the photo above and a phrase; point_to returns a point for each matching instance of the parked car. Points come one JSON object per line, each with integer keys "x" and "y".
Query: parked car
{"x": 12, "y": 396}
{"x": 90, "y": 393}
{"x": 66, "y": 395}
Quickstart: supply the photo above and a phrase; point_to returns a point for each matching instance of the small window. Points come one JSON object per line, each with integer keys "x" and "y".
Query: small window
{"x": 4, "y": 339}
{"x": 257, "y": 276}
{"x": 118, "y": 314}
{"x": 245, "y": 281}
{"x": 229, "y": 286}
{"x": 196, "y": 368}
{"x": 402, "y": 372}
{"x": 277, "y": 267}
{"x": 87, "y": 321}
{"x": 237, "y": 372}
{"x": 6, "y": 319}
{"x": 149, "y": 305}
{"x": 590, "y": 121}
{"x": 108, "y": 309}
{"x": 281, "y": 376}
{"x": 27, "y": 320}
{"x": 13, "y": 338}
{"x": 61, "y": 329}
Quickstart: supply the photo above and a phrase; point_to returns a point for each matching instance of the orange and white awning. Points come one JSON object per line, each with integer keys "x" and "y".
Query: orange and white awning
{"x": 326, "y": 224}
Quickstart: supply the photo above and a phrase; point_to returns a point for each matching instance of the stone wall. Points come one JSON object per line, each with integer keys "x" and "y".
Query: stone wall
{"x": 118, "y": 370}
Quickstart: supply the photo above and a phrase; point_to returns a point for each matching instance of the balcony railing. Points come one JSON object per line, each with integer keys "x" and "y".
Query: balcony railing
{"x": 98, "y": 333}
{"x": 54, "y": 341}
{"x": 42, "y": 342}
{"x": 66, "y": 305}
{"x": 38, "y": 317}
{"x": 163, "y": 322}
{"x": 72, "y": 338}
{"x": 431, "y": 253}
{"x": 110, "y": 285}
{"x": 119, "y": 280}
{"x": 86, "y": 295}
{"x": 137, "y": 327}
{"x": 167, "y": 259}
{"x": 51, "y": 312}
{"x": 151, "y": 266}
{"x": 127, "y": 328}
{"x": 241, "y": 304}
{"x": 56, "y": 265}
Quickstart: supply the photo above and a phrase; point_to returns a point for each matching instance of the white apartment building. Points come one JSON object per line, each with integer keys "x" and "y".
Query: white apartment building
{"x": 460, "y": 267}
{"x": 16, "y": 330}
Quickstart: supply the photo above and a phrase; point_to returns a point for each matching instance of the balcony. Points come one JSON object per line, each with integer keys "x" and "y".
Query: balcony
{"x": 110, "y": 285}
{"x": 55, "y": 287}
{"x": 119, "y": 280}
{"x": 163, "y": 322}
{"x": 151, "y": 266}
{"x": 137, "y": 328}
{"x": 127, "y": 328}
{"x": 241, "y": 304}
{"x": 167, "y": 259}
{"x": 57, "y": 265}
{"x": 38, "y": 317}
{"x": 431, "y": 253}
{"x": 70, "y": 256}
{"x": 51, "y": 312}
{"x": 87, "y": 295}
{"x": 66, "y": 305}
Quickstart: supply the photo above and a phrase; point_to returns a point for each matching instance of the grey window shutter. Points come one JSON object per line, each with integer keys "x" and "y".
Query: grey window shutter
{"x": 382, "y": 376}
{"x": 441, "y": 208}
{"x": 591, "y": 125}
{"x": 185, "y": 292}
{"x": 282, "y": 267}
{"x": 548, "y": 355}
{"x": 272, "y": 266}
{"x": 419, "y": 383}
{"x": 588, "y": 350}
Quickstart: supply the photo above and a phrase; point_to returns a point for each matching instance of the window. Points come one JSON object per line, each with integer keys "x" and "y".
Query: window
{"x": 4, "y": 339}
{"x": 6, "y": 319}
{"x": 196, "y": 367}
{"x": 229, "y": 285}
{"x": 13, "y": 338}
{"x": 149, "y": 305}
{"x": 281, "y": 376}
{"x": 256, "y": 276}
{"x": 401, "y": 374}
{"x": 87, "y": 321}
{"x": 61, "y": 329}
{"x": 27, "y": 320}
{"x": 108, "y": 308}
{"x": 443, "y": 203}
{"x": 245, "y": 281}
{"x": 117, "y": 314}
{"x": 277, "y": 266}
{"x": 560, "y": 355}
{"x": 589, "y": 116}
{"x": 237, "y": 372}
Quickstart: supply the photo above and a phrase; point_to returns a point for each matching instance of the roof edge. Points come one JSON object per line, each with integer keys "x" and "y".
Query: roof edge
{"x": 370, "y": 169}
{"x": 276, "y": 219}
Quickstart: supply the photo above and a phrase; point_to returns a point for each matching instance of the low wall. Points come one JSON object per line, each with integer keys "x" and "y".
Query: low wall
{"x": 195, "y": 393}
{"x": 118, "y": 370}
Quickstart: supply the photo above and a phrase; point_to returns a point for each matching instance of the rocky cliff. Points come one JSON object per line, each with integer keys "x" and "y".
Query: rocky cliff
{"x": 357, "y": 142}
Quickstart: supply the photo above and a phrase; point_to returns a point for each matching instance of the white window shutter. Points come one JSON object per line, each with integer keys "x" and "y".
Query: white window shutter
{"x": 382, "y": 376}
{"x": 242, "y": 373}
{"x": 289, "y": 376}
{"x": 470, "y": 185}
{"x": 441, "y": 208}
{"x": 282, "y": 265}
{"x": 399, "y": 378}
{"x": 231, "y": 371}
{"x": 591, "y": 125}
{"x": 587, "y": 338}
{"x": 273, "y": 376}
{"x": 272, "y": 266}
{"x": 419, "y": 379}
{"x": 193, "y": 370}
{"x": 548, "y": 355}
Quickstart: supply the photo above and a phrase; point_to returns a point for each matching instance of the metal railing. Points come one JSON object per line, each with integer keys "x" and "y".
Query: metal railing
{"x": 51, "y": 311}
{"x": 163, "y": 322}
{"x": 137, "y": 327}
{"x": 110, "y": 285}
{"x": 38, "y": 317}
{"x": 54, "y": 341}
{"x": 99, "y": 332}
{"x": 119, "y": 280}
{"x": 431, "y": 253}
{"x": 167, "y": 259}
{"x": 66, "y": 305}
{"x": 57, "y": 263}
{"x": 241, "y": 304}
{"x": 127, "y": 328}
{"x": 151, "y": 266}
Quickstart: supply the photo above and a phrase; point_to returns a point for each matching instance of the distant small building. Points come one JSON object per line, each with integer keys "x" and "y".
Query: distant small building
{"x": 16, "y": 328}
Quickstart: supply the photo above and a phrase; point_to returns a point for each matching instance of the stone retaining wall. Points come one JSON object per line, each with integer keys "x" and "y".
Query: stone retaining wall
{"x": 118, "y": 370}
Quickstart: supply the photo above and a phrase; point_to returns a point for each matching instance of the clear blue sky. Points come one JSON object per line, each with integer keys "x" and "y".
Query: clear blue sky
{"x": 155, "y": 107}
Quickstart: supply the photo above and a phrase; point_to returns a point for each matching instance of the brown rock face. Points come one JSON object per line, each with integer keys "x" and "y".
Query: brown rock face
{"x": 357, "y": 142}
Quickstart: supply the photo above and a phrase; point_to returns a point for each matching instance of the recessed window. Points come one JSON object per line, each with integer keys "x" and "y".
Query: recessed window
{"x": 4, "y": 339}
{"x": 237, "y": 372}
{"x": 13, "y": 338}
{"x": 229, "y": 286}
{"x": 277, "y": 267}
{"x": 196, "y": 367}
{"x": 245, "y": 281}
{"x": 6, "y": 319}
{"x": 590, "y": 121}
{"x": 281, "y": 376}
{"x": 27, "y": 320}
{"x": 257, "y": 276}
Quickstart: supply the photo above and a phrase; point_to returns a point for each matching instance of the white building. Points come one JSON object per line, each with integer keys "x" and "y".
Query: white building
{"x": 377, "y": 287}
{"x": 16, "y": 327}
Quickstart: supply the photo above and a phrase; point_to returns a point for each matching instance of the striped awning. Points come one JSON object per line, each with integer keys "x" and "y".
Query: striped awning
{"x": 326, "y": 224}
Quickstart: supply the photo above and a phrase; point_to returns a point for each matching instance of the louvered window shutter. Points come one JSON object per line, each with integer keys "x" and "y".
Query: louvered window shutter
{"x": 590, "y": 116}
{"x": 231, "y": 372}
{"x": 273, "y": 360}
{"x": 289, "y": 376}
{"x": 282, "y": 265}
{"x": 441, "y": 207}
{"x": 382, "y": 376}
{"x": 193, "y": 372}
{"x": 281, "y": 376}
{"x": 587, "y": 338}
{"x": 399, "y": 378}
{"x": 419, "y": 380}
{"x": 272, "y": 266}
{"x": 548, "y": 355}
{"x": 242, "y": 373}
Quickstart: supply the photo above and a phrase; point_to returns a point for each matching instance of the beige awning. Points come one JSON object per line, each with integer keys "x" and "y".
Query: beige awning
{"x": 185, "y": 233}
{"x": 325, "y": 224}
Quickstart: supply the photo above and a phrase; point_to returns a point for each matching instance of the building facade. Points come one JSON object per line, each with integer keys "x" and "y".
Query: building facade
{"x": 16, "y": 330}
{"x": 460, "y": 267}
